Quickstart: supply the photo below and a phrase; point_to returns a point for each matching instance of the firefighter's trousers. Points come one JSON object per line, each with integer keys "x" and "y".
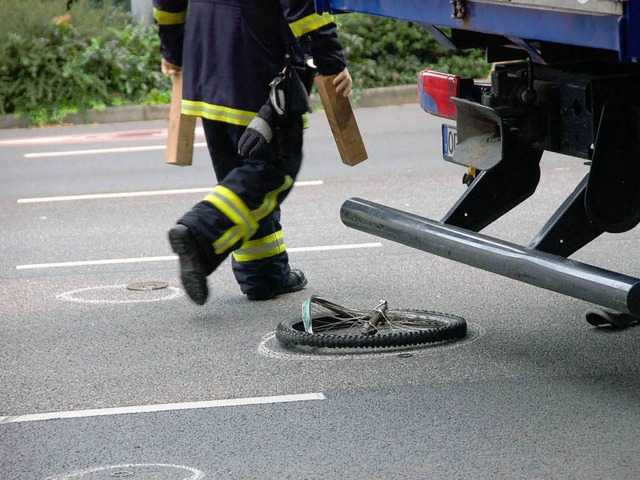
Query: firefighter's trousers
{"x": 241, "y": 216}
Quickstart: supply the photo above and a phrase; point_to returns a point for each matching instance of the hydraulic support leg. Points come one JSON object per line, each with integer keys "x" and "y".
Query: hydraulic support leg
{"x": 495, "y": 192}
{"x": 569, "y": 229}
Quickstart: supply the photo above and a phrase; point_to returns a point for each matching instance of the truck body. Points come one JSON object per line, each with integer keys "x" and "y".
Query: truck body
{"x": 566, "y": 79}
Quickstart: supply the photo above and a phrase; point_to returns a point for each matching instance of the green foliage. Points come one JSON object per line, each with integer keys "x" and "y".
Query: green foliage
{"x": 53, "y": 69}
{"x": 51, "y": 65}
{"x": 26, "y": 17}
{"x": 128, "y": 62}
{"x": 39, "y": 76}
{"x": 383, "y": 51}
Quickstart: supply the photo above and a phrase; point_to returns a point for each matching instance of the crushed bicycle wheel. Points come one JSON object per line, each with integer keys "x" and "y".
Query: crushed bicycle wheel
{"x": 325, "y": 324}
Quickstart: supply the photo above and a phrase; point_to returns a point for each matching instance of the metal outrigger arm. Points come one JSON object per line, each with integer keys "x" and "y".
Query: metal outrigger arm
{"x": 552, "y": 272}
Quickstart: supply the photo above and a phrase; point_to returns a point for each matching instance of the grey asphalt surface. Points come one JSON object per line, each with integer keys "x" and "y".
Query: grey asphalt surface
{"x": 532, "y": 392}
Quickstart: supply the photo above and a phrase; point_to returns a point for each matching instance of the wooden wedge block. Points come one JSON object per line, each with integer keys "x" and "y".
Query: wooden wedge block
{"x": 181, "y": 128}
{"x": 342, "y": 121}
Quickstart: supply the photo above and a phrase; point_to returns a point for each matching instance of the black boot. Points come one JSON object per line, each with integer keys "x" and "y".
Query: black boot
{"x": 295, "y": 281}
{"x": 192, "y": 273}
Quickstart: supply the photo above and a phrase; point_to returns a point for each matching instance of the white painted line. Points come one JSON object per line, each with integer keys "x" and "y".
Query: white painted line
{"x": 103, "y": 472}
{"x": 97, "y": 196}
{"x": 92, "y": 137}
{"x": 96, "y": 151}
{"x": 76, "y": 295}
{"x": 149, "y": 193}
{"x": 116, "y": 261}
{"x": 168, "y": 407}
{"x": 335, "y": 247}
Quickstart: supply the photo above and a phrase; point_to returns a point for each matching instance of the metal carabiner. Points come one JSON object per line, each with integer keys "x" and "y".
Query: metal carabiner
{"x": 276, "y": 95}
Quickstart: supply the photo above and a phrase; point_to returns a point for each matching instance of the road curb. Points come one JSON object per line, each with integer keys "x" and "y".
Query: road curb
{"x": 374, "y": 97}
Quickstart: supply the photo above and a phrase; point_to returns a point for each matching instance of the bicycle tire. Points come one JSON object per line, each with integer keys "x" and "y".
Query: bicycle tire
{"x": 439, "y": 327}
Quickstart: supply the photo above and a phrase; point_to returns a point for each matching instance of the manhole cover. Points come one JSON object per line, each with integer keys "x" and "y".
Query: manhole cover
{"x": 147, "y": 286}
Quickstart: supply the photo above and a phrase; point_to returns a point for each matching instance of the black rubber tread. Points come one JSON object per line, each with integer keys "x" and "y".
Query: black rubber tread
{"x": 291, "y": 333}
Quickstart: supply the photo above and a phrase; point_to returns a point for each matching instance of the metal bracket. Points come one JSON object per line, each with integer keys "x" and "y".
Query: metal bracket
{"x": 439, "y": 36}
{"x": 460, "y": 9}
{"x": 569, "y": 229}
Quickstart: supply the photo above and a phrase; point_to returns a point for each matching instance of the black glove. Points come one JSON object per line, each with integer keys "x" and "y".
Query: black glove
{"x": 255, "y": 139}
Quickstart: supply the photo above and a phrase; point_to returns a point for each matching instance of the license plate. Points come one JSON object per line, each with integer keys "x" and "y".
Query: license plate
{"x": 449, "y": 141}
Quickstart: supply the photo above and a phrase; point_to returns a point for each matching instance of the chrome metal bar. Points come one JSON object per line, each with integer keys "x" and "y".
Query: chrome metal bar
{"x": 569, "y": 277}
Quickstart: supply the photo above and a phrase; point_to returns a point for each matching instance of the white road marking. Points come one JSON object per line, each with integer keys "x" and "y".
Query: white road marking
{"x": 271, "y": 348}
{"x": 96, "y": 262}
{"x": 96, "y": 151}
{"x": 168, "y": 407}
{"x": 76, "y": 295}
{"x": 173, "y": 257}
{"x": 334, "y": 247}
{"x": 149, "y": 193}
{"x": 194, "y": 473}
{"x": 92, "y": 137}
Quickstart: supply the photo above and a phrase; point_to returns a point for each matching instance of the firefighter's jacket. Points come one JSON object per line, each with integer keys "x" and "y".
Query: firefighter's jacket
{"x": 230, "y": 50}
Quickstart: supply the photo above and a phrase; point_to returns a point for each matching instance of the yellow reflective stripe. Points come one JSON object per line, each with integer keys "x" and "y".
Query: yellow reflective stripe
{"x": 305, "y": 120}
{"x": 259, "y": 255}
{"x": 232, "y": 206}
{"x": 261, "y": 248}
{"x": 246, "y": 221}
{"x": 271, "y": 200}
{"x": 217, "y": 112}
{"x": 228, "y": 239}
{"x": 273, "y": 237}
{"x": 310, "y": 23}
{"x": 169, "y": 18}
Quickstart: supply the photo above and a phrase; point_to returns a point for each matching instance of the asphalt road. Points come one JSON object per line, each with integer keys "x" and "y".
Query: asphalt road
{"x": 99, "y": 381}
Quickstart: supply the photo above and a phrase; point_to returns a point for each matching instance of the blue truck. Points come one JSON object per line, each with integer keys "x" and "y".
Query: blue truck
{"x": 566, "y": 80}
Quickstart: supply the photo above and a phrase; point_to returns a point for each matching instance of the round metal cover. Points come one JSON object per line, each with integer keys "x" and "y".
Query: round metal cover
{"x": 146, "y": 286}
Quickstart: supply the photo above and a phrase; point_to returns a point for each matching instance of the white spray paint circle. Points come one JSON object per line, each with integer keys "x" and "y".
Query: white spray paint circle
{"x": 114, "y": 294}
{"x": 269, "y": 347}
{"x": 137, "y": 470}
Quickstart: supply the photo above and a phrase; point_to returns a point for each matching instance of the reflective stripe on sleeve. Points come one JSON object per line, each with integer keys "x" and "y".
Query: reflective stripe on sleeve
{"x": 310, "y": 23}
{"x": 261, "y": 248}
{"x": 169, "y": 18}
{"x": 217, "y": 112}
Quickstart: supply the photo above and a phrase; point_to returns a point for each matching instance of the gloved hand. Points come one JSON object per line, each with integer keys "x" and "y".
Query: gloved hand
{"x": 255, "y": 139}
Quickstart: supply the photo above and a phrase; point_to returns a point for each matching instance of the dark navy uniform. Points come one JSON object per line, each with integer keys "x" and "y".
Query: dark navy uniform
{"x": 230, "y": 51}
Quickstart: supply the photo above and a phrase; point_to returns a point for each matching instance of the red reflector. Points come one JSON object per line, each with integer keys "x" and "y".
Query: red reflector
{"x": 436, "y": 90}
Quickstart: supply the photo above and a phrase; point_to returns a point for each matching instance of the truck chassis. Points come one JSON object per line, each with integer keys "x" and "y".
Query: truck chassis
{"x": 555, "y": 87}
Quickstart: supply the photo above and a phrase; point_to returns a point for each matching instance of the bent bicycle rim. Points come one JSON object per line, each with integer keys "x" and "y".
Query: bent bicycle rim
{"x": 402, "y": 328}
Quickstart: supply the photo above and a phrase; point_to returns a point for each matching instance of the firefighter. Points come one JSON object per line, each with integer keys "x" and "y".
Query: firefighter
{"x": 244, "y": 74}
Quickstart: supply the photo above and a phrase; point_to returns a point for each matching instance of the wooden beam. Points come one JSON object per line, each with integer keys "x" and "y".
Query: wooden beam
{"x": 342, "y": 121}
{"x": 181, "y": 128}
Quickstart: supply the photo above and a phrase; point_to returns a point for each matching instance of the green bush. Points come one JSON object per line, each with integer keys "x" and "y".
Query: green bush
{"x": 50, "y": 66}
{"x": 39, "y": 75}
{"x": 50, "y": 69}
{"x": 88, "y": 17}
{"x": 383, "y": 51}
